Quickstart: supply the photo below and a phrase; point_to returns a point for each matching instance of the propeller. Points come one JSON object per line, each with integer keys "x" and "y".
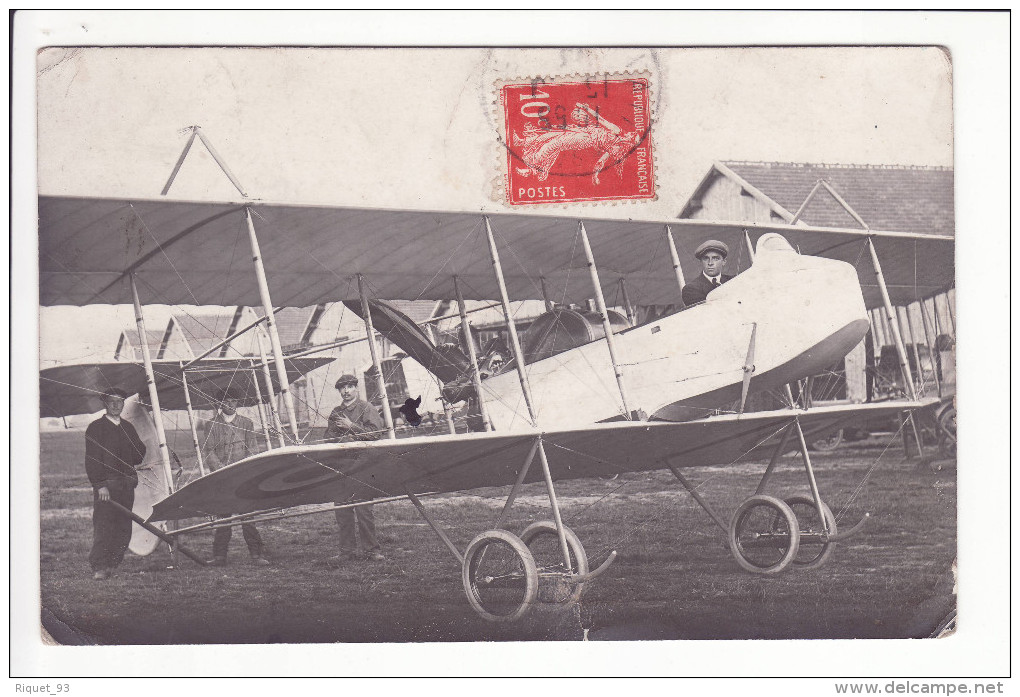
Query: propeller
{"x": 748, "y": 368}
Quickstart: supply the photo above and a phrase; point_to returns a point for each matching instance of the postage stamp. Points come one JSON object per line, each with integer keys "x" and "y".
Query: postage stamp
{"x": 579, "y": 139}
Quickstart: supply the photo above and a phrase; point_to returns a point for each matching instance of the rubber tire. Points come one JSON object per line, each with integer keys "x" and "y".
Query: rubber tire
{"x": 579, "y": 556}
{"x": 791, "y": 520}
{"x": 474, "y": 549}
{"x": 823, "y": 556}
{"x": 827, "y": 444}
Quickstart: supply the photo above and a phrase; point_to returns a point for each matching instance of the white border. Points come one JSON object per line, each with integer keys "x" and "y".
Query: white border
{"x": 979, "y": 46}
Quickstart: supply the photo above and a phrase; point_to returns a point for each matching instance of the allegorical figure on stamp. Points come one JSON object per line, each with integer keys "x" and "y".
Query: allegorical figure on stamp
{"x": 540, "y": 148}
{"x": 112, "y": 451}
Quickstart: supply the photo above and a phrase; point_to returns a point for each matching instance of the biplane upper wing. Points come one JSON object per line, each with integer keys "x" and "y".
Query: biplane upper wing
{"x": 77, "y": 389}
{"x": 347, "y": 472}
{"x": 195, "y": 253}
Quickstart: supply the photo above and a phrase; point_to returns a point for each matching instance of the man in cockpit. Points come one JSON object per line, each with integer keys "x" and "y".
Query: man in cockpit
{"x": 712, "y": 255}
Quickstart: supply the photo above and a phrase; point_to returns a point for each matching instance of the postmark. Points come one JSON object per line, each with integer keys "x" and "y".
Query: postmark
{"x": 584, "y": 139}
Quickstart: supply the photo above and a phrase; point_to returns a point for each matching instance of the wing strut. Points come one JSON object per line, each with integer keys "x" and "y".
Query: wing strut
{"x": 901, "y": 351}
{"x": 626, "y": 302}
{"x": 374, "y": 350}
{"x": 191, "y": 420}
{"x": 750, "y": 247}
{"x": 150, "y": 380}
{"x": 676, "y": 260}
{"x": 930, "y": 340}
{"x": 263, "y": 422}
{"x": 267, "y": 311}
{"x": 273, "y": 413}
{"x": 748, "y": 368}
{"x": 607, "y": 326}
{"x": 476, "y": 376}
{"x": 515, "y": 343}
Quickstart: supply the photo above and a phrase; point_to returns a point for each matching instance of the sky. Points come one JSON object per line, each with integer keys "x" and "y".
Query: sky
{"x": 419, "y": 128}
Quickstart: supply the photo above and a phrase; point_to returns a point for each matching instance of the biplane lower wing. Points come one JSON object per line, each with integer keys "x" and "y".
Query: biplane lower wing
{"x": 350, "y": 472}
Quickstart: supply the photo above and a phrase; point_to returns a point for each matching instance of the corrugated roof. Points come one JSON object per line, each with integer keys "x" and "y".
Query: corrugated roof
{"x": 203, "y": 331}
{"x": 153, "y": 337}
{"x": 418, "y": 310}
{"x": 901, "y": 198}
{"x": 291, "y": 323}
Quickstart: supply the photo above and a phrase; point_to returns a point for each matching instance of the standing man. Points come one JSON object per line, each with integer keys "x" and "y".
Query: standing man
{"x": 712, "y": 255}
{"x": 354, "y": 420}
{"x": 112, "y": 451}
{"x": 230, "y": 437}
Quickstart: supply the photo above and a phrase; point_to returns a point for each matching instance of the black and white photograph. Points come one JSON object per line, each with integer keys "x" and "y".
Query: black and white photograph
{"x": 499, "y": 344}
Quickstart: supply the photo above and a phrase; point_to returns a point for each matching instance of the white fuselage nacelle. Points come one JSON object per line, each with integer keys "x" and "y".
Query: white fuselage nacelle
{"x": 809, "y": 313}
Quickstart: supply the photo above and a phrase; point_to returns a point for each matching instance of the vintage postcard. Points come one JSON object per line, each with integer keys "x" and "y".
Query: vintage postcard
{"x": 386, "y": 345}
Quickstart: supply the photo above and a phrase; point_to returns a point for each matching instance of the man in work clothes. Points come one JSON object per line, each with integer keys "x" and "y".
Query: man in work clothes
{"x": 354, "y": 420}
{"x": 712, "y": 255}
{"x": 112, "y": 450}
{"x": 230, "y": 437}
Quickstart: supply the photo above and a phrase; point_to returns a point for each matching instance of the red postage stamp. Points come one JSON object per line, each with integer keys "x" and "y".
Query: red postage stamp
{"x": 587, "y": 140}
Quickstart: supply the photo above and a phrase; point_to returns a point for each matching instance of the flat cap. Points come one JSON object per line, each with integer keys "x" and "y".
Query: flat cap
{"x": 115, "y": 392}
{"x": 346, "y": 379}
{"x": 712, "y": 244}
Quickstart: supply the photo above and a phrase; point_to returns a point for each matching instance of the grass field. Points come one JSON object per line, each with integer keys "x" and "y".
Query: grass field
{"x": 674, "y": 577}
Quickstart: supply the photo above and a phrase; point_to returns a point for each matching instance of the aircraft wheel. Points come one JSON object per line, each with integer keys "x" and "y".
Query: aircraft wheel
{"x": 827, "y": 443}
{"x": 764, "y": 535}
{"x": 813, "y": 552}
{"x": 554, "y": 584}
{"x": 499, "y": 575}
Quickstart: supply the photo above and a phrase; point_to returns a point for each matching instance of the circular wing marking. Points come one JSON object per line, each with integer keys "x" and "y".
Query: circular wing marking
{"x": 286, "y": 479}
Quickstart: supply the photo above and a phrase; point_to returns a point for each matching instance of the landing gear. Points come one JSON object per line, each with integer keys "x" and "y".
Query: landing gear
{"x": 504, "y": 575}
{"x": 764, "y": 535}
{"x": 815, "y": 544}
{"x": 500, "y": 576}
{"x": 556, "y": 584}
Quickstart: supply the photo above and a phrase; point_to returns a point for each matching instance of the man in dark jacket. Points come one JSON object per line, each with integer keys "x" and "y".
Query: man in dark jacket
{"x": 712, "y": 255}
{"x": 355, "y": 419}
{"x": 230, "y": 437}
{"x": 112, "y": 451}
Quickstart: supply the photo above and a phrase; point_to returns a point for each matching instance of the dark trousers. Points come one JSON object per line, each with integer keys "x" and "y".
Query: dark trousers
{"x": 221, "y": 540}
{"x": 111, "y": 529}
{"x": 363, "y": 520}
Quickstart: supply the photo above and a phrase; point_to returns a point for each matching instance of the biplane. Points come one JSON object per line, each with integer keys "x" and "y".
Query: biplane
{"x": 587, "y": 393}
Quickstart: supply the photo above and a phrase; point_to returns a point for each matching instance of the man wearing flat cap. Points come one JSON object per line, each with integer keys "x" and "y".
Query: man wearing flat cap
{"x": 230, "y": 437}
{"x": 712, "y": 254}
{"x": 112, "y": 451}
{"x": 355, "y": 420}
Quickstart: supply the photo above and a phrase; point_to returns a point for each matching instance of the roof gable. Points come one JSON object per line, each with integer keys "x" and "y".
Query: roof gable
{"x": 901, "y": 198}
{"x": 203, "y": 331}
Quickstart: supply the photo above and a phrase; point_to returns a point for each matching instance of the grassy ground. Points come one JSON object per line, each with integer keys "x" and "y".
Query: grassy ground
{"x": 674, "y": 577}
